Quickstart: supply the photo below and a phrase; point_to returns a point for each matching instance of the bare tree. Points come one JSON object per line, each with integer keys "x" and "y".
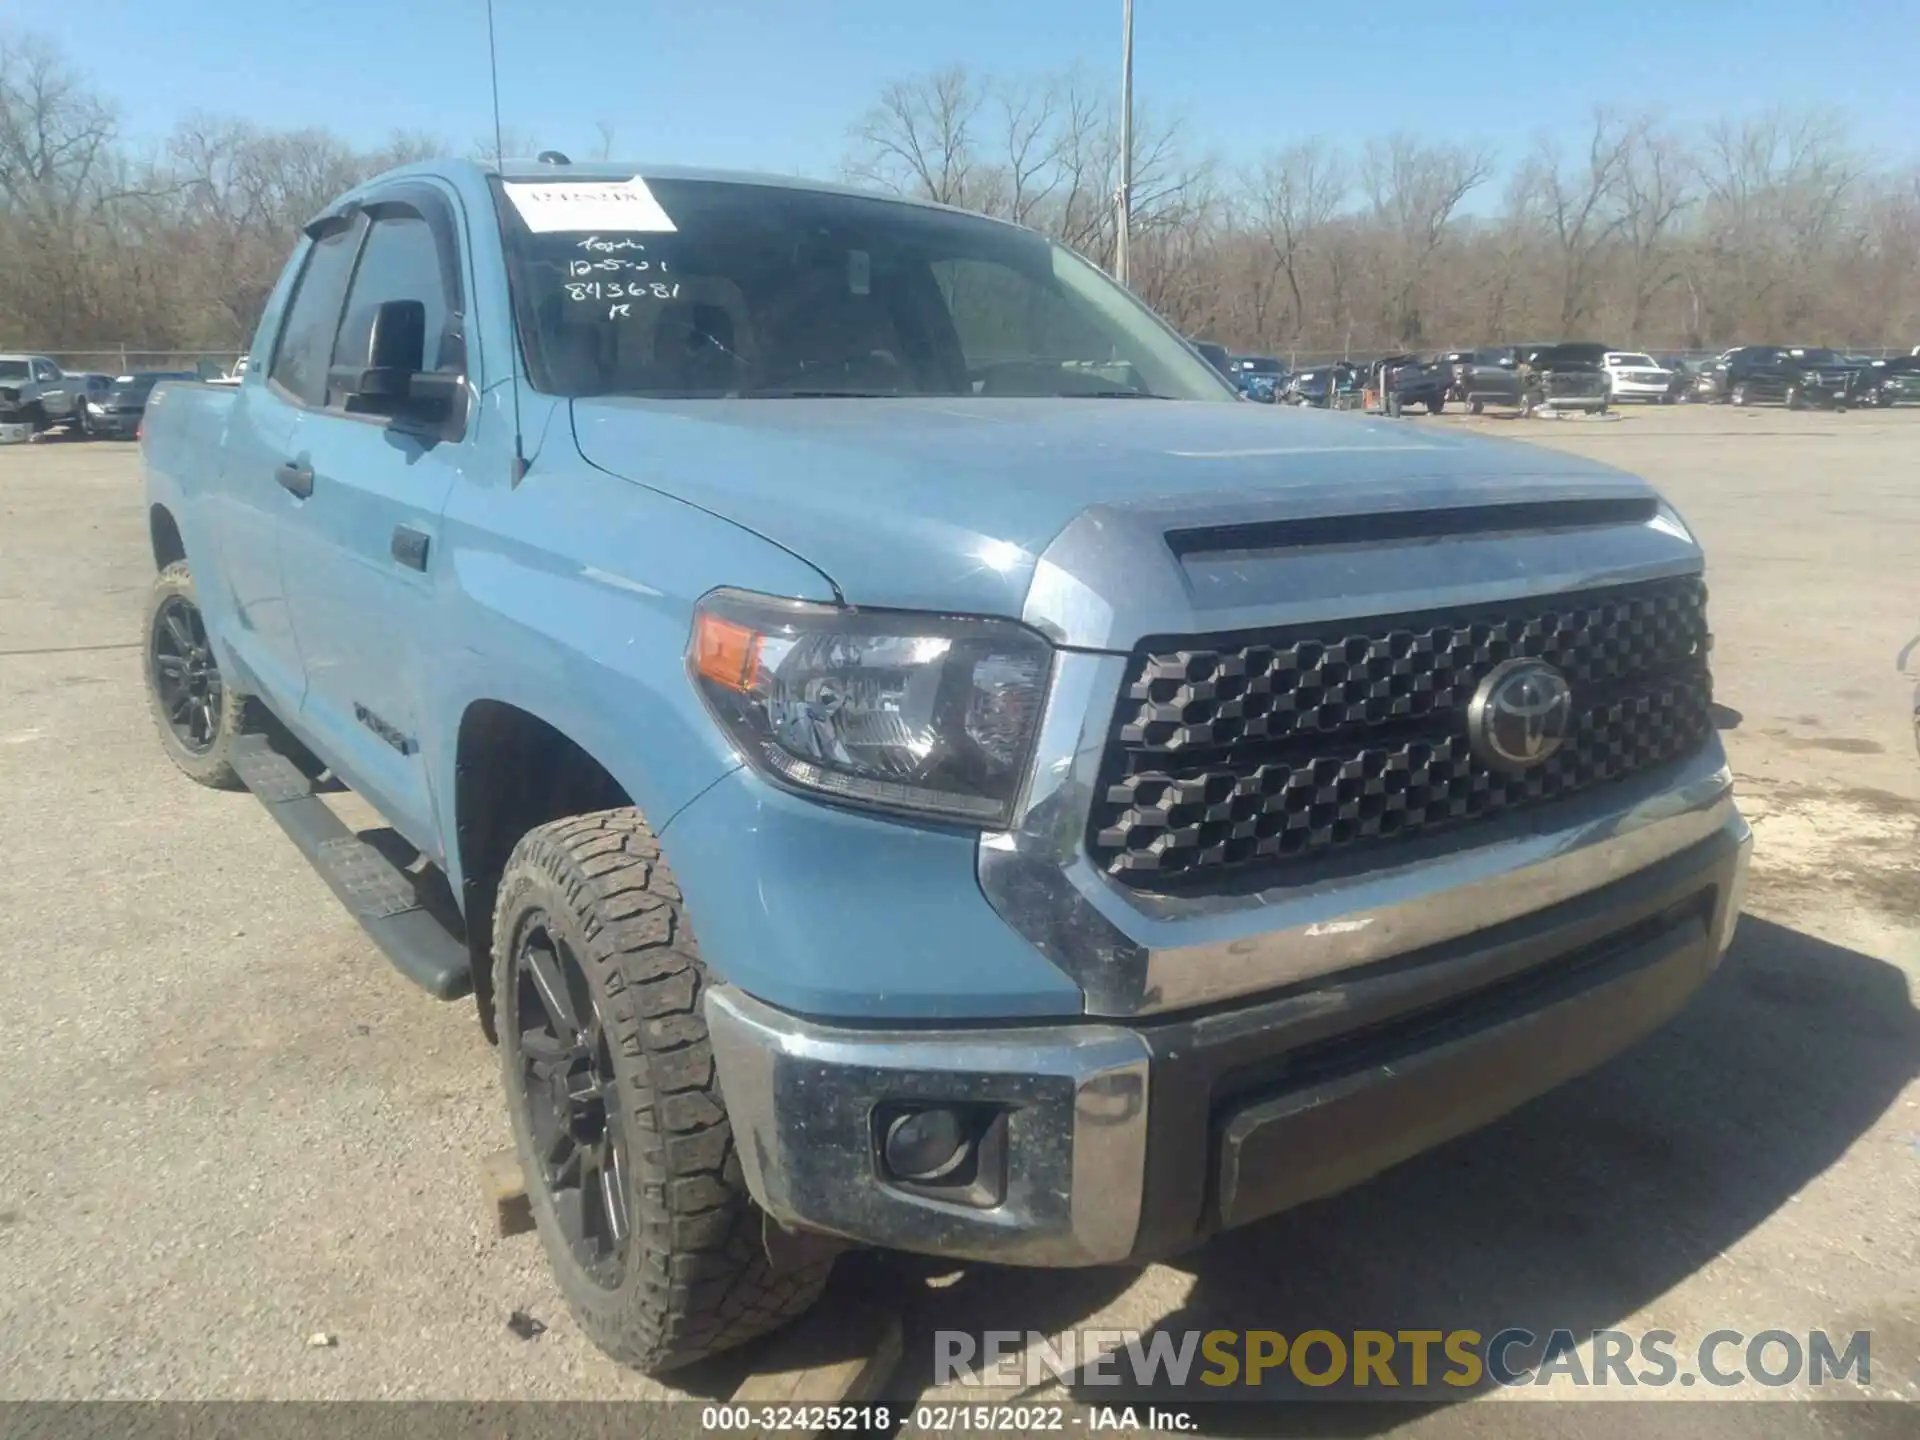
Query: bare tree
{"x": 1654, "y": 196}
{"x": 1578, "y": 207}
{"x": 919, "y": 138}
{"x": 512, "y": 143}
{"x": 55, "y": 137}
{"x": 1774, "y": 188}
{"x": 1297, "y": 192}
{"x": 1413, "y": 190}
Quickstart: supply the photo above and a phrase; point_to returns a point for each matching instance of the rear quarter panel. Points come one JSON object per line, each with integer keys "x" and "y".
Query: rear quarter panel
{"x": 183, "y": 453}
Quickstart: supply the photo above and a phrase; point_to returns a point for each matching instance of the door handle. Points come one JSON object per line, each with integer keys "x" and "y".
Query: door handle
{"x": 410, "y": 547}
{"x": 296, "y": 479}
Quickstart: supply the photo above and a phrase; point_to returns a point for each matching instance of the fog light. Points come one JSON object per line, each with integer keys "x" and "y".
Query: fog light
{"x": 924, "y": 1144}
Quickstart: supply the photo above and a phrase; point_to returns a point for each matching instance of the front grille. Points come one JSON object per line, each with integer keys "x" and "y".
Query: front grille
{"x": 1262, "y": 749}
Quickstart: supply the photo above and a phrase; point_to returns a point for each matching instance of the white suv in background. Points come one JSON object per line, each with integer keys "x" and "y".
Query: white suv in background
{"x": 1635, "y": 376}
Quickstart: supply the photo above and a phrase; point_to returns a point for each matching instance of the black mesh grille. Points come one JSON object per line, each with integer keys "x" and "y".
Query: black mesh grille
{"x": 1256, "y": 749}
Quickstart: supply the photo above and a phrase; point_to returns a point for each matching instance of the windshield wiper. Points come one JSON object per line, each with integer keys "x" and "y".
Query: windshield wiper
{"x": 1108, "y": 395}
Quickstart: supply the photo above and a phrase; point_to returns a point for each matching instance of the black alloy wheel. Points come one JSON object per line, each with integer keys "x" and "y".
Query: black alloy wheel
{"x": 571, "y": 1102}
{"x": 185, "y": 677}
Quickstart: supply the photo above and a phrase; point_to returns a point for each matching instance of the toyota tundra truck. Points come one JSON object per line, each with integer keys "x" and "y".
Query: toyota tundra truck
{"x": 900, "y": 757}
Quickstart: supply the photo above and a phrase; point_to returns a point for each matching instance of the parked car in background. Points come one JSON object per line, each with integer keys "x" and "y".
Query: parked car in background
{"x": 115, "y": 413}
{"x": 1260, "y": 377}
{"x": 1682, "y": 377}
{"x": 1215, "y": 355}
{"x": 1324, "y": 386}
{"x": 1405, "y": 380}
{"x": 1635, "y": 375}
{"x": 1566, "y": 377}
{"x": 36, "y": 392}
{"x": 1883, "y": 383}
{"x": 1489, "y": 376}
{"x": 1777, "y": 375}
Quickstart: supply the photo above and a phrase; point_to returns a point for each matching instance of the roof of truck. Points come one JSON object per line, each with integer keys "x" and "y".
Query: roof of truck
{"x": 591, "y": 170}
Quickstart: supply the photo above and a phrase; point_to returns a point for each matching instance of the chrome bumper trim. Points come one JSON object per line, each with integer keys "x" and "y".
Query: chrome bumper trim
{"x": 1134, "y": 953}
{"x": 800, "y": 1096}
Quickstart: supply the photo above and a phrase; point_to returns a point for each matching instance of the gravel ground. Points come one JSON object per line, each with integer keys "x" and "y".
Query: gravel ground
{"x": 229, "y": 1125}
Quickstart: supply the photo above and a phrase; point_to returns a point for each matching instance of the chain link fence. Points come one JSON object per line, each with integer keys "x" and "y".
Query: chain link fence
{"x": 124, "y": 359}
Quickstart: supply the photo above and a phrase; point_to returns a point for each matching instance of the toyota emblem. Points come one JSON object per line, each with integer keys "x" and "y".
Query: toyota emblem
{"x": 1520, "y": 715}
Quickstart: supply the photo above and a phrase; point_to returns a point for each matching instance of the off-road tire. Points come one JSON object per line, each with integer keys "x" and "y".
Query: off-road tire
{"x": 697, "y": 1280}
{"x": 212, "y": 767}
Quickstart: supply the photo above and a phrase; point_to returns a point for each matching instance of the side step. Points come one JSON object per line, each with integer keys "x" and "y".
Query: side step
{"x": 380, "y": 895}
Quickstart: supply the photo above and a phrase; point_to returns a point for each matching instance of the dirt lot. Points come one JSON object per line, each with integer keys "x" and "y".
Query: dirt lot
{"x": 228, "y": 1124}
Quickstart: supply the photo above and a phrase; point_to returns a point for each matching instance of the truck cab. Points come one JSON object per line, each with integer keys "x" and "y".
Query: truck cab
{"x": 911, "y": 760}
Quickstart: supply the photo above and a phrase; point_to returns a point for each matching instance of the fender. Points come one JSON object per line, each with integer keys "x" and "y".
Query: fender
{"x": 570, "y": 596}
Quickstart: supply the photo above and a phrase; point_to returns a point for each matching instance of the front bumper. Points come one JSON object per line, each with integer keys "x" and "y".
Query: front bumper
{"x": 1640, "y": 389}
{"x": 1549, "y": 400}
{"x": 1128, "y": 1141}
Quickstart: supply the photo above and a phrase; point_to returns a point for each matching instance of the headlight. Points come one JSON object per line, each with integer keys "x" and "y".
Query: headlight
{"x": 934, "y": 715}
{"x": 93, "y": 407}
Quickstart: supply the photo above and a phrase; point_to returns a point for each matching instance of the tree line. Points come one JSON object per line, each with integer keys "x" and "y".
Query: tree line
{"x": 1770, "y": 227}
{"x": 1766, "y": 228}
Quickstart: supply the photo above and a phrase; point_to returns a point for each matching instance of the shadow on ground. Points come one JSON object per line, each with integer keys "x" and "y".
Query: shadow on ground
{"x": 1574, "y": 1212}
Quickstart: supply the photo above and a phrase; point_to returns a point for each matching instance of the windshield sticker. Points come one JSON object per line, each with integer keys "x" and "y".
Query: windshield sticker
{"x": 619, "y": 205}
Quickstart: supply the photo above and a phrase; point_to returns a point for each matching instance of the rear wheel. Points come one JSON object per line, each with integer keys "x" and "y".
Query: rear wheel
{"x": 198, "y": 715}
{"x": 617, "y": 1115}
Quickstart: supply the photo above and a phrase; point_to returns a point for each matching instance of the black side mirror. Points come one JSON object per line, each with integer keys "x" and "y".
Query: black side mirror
{"x": 395, "y": 381}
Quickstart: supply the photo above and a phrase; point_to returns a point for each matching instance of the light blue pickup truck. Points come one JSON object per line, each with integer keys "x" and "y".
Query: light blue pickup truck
{"x": 900, "y": 754}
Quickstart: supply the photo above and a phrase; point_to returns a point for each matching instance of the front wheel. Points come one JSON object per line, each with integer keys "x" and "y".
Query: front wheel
{"x": 1738, "y": 395}
{"x": 1475, "y": 407}
{"x": 198, "y": 715}
{"x": 1436, "y": 404}
{"x": 617, "y": 1115}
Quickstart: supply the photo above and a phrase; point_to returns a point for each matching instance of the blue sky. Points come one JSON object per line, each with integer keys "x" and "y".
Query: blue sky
{"x": 773, "y": 86}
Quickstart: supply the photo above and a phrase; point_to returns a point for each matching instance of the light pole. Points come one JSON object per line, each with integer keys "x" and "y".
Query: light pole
{"x": 1123, "y": 201}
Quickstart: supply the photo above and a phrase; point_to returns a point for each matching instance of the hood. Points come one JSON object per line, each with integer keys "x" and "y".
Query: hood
{"x": 948, "y": 503}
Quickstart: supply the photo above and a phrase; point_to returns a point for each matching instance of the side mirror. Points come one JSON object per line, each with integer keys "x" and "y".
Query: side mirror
{"x": 394, "y": 380}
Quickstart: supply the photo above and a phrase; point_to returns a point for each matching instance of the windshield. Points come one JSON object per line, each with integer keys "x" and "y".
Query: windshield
{"x": 1627, "y": 358}
{"x": 1816, "y": 356}
{"x": 14, "y": 370}
{"x": 738, "y": 289}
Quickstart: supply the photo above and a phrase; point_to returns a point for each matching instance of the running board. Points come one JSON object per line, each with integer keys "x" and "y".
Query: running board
{"x": 378, "y": 893}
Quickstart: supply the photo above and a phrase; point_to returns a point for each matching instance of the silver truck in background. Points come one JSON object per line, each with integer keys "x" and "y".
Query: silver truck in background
{"x": 36, "y": 394}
